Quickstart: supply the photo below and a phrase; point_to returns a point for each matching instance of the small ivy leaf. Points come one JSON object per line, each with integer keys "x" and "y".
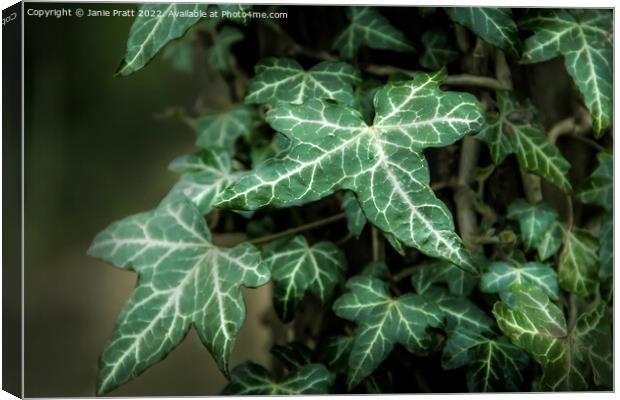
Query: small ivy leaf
{"x": 364, "y": 95}
{"x": 378, "y": 269}
{"x": 332, "y": 148}
{"x": 599, "y": 187}
{"x": 336, "y": 353}
{"x": 584, "y": 38}
{"x": 261, "y": 150}
{"x": 184, "y": 281}
{"x": 497, "y": 365}
{"x": 551, "y": 241}
{"x": 536, "y": 154}
{"x": 369, "y": 28}
{"x": 458, "y": 313}
{"x": 222, "y": 130}
{"x": 460, "y": 283}
{"x": 606, "y": 251}
{"x": 204, "y": 176}
{"x": 153, "y": 30}
{"x": 253, "y": 379}
{"x": 502, "y": 275}
{"x": 383, "y": 321}
{"x": 218, "y": 55}
{"x": 579, "y": 263}
{"x": 356, "y": 220}
{"x": 292, "y": 355}
{"x": 570, "y": 360}
{"x": 297, "y": 267}
{"x": 284, "y": 80}
{"x": 438, "y": 51}
{"x": 494, "y": 25}
{"x": 180, "y": 54}
{"x": 533, "y": 219}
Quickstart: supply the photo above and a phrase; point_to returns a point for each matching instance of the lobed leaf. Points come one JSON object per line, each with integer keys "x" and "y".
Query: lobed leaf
{"x": 459, "y": 282}
{"x": 356, "y": 220}
{"x": 292, "y": 355}
{"x": 551, "y": 241}
{"x": 579, "y": 263}
{"x": 502, "y": 275}
{"x": 533, "y": 219}
{"x": 222, "y": 130}
{"x": 599, "y": 187}
{"x": 438, "y": 51}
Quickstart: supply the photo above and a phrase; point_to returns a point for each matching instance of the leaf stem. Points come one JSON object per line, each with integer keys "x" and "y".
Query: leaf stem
{"x": 378, "y": 249}
{"x": 484, "y": 82}
{"x": 297, "y": 229}
{"x": 403, "y": 274}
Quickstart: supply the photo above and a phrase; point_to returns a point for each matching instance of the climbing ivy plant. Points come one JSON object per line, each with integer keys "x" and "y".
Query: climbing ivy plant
{"x": 442, "y": 221}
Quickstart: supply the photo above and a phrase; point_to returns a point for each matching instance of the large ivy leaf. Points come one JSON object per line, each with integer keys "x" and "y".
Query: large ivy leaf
{"x": 297, "y": 267}
{"x": 438, "y": 51}
{"x": 160, "y": 24}
{"x": 369, "y": 28}
{"x": 284, "y": 80}
{"x": 332, "y": 148}
{"x": 253, "y": 379}
{"x": 579, "y": 263}
{"x": 493, "y": 24}
{"x": 460, "y": 283}
{"x": 507, "y": 132}
{"x": 383, "y": 321}
{"x": 218, "y": 54}
{"x": 222, "y": 130}
{"x": 551, "y": 241}
{"x": 584, "y": 38}
{"x": 356, "y": 220}
{"x": 606, "y": 251}
{"x": 204, "y": 176}
{"x": 502, "y": 275}
{"x": 184, "y": 281}
{"x": 533, "y": 219}
{"x": 570, "y": 360}
{"x": 599, "y": 187}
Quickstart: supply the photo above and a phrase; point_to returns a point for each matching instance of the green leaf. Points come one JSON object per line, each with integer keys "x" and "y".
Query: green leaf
{"x": 551, "y": 241}
{"x": 356, "y": 220}
{"x": 502, "y": 275}
{"x": 284, "y": 80}
{"x": 204, "y": 176}
{"x": 493, "y": 24}
{"x": 579, "y": 263}
{"x": 222, "y": 130}
{"x": 184, "y": 281}
{"x": 458, "y": 313}
{"x": 584, "y": 38}
{"x": 292, "y": 355}
{"x": 261, "y": 150}
{"x": 253, "y": 379}
{"x": 599, "y": 187}
{"x": 383, "y": 321}
{"x": 511, "y": 131}
{"x": 496, "y": 366}
{"x": 369, "y": 28}
{"x": 297, "y": 267}
{"x": 336, "y": 351}
{"x": 533, "y": 219}
{"x": 218, "y": 55}
{"x": 460, "y": 283}
{"x": 364, "y": 95}
{"x": 570, "y": 360}
{"x": 180, "y": 54}
{"x": 332, "y": 148}
{"x": 378, "y": 269}
{"x": 160, "y": 24}
{"x": 606, "y": 251}
{"x": 438, "y": 51}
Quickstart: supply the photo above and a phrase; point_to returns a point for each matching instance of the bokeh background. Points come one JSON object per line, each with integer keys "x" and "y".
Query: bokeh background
{"x": 96, "y": 152}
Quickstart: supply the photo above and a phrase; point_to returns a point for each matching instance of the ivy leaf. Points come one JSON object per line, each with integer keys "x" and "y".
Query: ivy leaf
{"x": 551, "y": 241}
{"x": 336, "y": 352}
{"x": 378, "y": 269}
{"x": 297, "y": 267}
{"x": 438, "y": 51}
{"x": 253, "y": 379}
{"x": 496, "y": 366}
{"x": 533, "y": 219}
{"x": 505, "y": 134}
{"x": 184, "y": 281}
{"x": 153, "y": 30}
{"x": 383, "y": 321}
{"x": 364, "y": 95}
{"x": 579, "y": 263}
{"x": 570, "y": 360}
{"x": 502, "y": 275}
{"x": 584, "y": 39}
{"x": 218, "y": 55}
{"x": 369, "y": 28}
{"x": 356, "y": 220}
{"x": 599, "y": 187}
{"x": 332, "y": 148}
{"x": 606, "y": 251}
{"x": 284, "y": 80}
{"x": 222, "y": 130}
{"x": 180, "y": 54}
{"x": 262, "y": 150}
{"x": 293, "y": 355}
{"x": 204, "y": 176}
{"x": 494, "y": 25}
{"x": 460, "y": 283}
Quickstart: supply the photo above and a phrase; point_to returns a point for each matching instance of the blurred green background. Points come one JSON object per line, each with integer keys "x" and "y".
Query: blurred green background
{"x": 95, "y": 152}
